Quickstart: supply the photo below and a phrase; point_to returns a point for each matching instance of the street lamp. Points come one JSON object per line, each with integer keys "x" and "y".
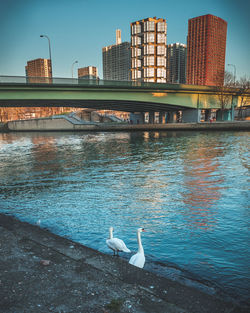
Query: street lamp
{"x": 49, "y": 53}
{"x": 234, "y": 72}
{"x": 232, "y": 106}
{"x": 73, "y": 68}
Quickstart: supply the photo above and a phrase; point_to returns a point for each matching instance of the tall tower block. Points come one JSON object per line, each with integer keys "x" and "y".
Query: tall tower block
{"x": 206, "y": 49}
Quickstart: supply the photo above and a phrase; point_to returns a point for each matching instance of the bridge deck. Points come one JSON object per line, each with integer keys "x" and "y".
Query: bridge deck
{"x": 101, "y": 94}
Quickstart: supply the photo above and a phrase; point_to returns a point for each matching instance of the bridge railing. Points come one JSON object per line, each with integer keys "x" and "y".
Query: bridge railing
{"x": 79, "y": 81}
{"x": 24, "y": 80}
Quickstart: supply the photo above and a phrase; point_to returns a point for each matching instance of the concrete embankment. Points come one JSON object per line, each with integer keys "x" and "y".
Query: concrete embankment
{"x": 63, "y": 124}
{"x": 42, "y": 272}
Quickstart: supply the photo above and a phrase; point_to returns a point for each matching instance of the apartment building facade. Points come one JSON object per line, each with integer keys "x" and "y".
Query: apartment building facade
{"x": 148, "y": 50}
{"x": 206, "y": 49}
{"x": 88, "y": 72}
{"x": 116, "y": 60}
{"x": 38, "y": 68}
{"x": 176, "y": 63}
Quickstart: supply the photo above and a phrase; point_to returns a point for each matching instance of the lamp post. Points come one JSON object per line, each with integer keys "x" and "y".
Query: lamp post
{"x": 234, "y": 72}
{"x": 72, "y": 69}
{"x": 49, "y": 53}
{"x": 232, "y": 106}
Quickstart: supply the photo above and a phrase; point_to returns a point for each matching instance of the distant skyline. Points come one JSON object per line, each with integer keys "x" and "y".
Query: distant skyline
{"x": 79, "y": 29}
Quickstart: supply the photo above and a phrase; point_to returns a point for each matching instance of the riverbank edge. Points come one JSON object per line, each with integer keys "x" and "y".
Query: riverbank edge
{"x": 61, "y": 124}
{"x": 25, "y": 248}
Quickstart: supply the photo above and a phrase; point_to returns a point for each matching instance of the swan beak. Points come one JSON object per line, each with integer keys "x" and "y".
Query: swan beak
{"x": 143, "y": 230}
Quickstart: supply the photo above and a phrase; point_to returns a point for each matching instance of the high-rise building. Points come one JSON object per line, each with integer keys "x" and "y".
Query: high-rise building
{"x": 38, "y": 68}
{"x": 148, "y": 50}
{"x": 89, "y": 72}
{"x": 206, "y": 49}
{"x": 176, "y": 63}
{"x": 116, "y": 60}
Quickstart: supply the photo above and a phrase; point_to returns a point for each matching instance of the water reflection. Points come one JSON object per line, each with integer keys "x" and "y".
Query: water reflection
{"x": 45, "y": 155}
{"x": 203, "y": 182}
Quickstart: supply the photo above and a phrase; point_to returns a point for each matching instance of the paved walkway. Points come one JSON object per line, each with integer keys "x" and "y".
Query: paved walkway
{"x": 42, "y": 272}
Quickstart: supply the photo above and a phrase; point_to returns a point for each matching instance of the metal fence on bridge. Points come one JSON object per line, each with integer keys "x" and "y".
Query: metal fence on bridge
{"x": 24, "y": 80}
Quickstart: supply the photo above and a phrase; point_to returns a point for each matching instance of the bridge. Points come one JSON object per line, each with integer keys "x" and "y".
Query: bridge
{"x": 107, "y": 95}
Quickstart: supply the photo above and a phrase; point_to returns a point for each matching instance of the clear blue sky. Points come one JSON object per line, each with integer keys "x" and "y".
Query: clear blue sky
{"x": 78, "y": 29}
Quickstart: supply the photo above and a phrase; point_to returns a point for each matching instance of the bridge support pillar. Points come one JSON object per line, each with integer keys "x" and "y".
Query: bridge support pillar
{"x": 137, "y": 118}
{"x": 161, "y": 117}
{"x": 172, "y": 117}
{"x": 151, "y": 119}
{"x": 166, "y": 117}
{"x": 191, "y": 116}
{"x": 226, "y": 116}
{"x": 232, "y": 113}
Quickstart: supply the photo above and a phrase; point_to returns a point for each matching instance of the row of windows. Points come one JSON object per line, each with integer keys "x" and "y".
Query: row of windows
{"x": 148, "y": 26}
{"x": 149, "y": 73}
{"x": 149, "y": 49}
{"x": 149, "y": 38}
{"x": 149, "y": 61}
{"x": 152, "y": 80}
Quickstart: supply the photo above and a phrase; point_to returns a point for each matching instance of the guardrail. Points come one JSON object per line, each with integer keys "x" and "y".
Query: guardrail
{"x": 23, "y": 80}
{"x": 74, "y": 81}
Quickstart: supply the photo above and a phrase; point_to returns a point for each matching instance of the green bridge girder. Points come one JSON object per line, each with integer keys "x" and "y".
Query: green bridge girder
{"x": 111, "y": 95}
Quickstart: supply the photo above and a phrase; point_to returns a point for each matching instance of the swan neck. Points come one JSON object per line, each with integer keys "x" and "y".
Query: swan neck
{"x": 110, "y": 233}
{"x": 140, "y": 247}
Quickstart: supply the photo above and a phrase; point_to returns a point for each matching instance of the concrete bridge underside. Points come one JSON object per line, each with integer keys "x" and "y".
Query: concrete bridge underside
{"x": 117, "y": 105}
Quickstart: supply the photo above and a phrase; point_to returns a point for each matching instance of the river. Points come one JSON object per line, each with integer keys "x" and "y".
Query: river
{"x": 189, "y": 190}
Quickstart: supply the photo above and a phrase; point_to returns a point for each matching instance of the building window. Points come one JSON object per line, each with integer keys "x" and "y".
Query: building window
{"x": 136, "y": 40}
{"x": 161, "y": 61}
{"x": 136, "y": 74}
{"x": 149, "y": 26}
{"x": 136, "y": 63}
{"x": 136, "y": 29}
{"x": 136, "y": 52}
{"x": 161, "y": 72}
{"x": 149, "y": 72}
{"x": 149, "y": 80}
{"x": 161, "y": 80}
{"x": 161, "y": 50}
{"x": 149, "y": 37}
{"x": 161, "y": 26}
{"x": 149, "y": 49}
{"x": 161, "y": 38}
{"x": 149, "y": 60}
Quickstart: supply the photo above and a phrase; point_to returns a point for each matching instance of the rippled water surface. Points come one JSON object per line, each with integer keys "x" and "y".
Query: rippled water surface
{"x": 189, "y": 190}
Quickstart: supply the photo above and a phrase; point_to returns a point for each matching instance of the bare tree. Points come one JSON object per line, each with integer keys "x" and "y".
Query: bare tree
{"x": 243, "y": 93}
{"x": 224, "y": 92}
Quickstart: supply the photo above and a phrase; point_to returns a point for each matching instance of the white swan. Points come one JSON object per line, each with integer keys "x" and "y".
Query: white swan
{"x": 116, "y": 244}
{"x": 138, "y": 259}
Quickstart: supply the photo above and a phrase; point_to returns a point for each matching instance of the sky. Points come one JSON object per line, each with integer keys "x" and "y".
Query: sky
{"x": 78, "y": 29}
